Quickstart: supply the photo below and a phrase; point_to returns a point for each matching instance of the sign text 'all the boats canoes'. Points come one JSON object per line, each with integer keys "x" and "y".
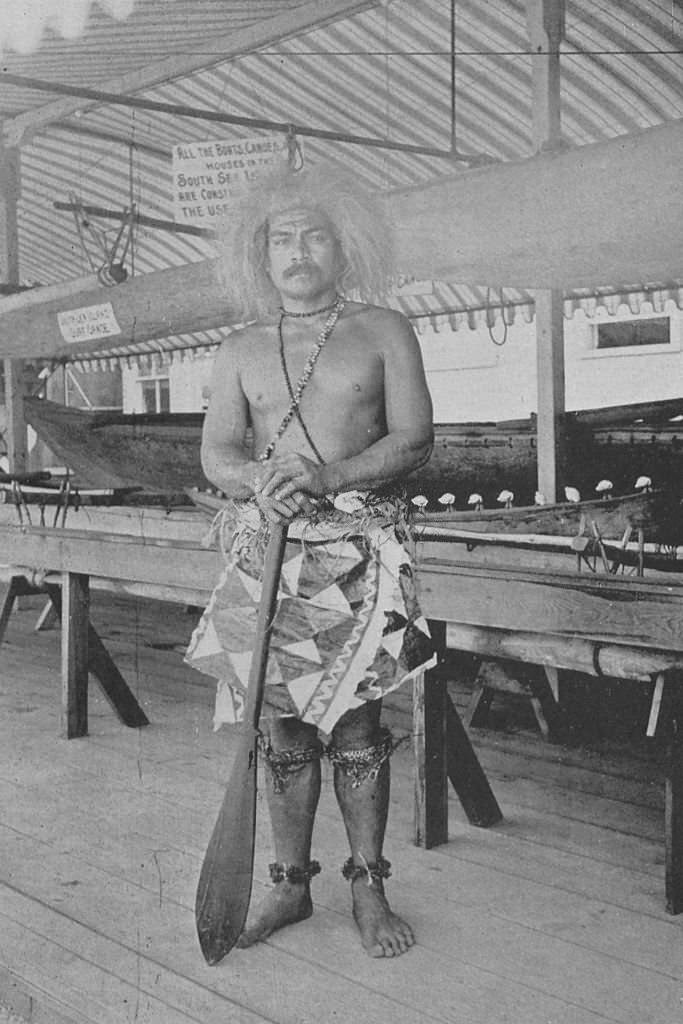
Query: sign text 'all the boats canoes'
{"x": 207, "y": 176}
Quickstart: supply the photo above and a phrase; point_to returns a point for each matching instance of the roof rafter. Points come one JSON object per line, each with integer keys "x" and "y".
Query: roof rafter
{"x": 309, "y": 15}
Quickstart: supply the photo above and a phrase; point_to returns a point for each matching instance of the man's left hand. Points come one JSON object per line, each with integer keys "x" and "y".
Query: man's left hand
{"x": 283, "y": 475}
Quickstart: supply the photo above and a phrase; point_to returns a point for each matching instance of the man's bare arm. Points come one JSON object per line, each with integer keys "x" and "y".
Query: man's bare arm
{"x": 224, "y": 455}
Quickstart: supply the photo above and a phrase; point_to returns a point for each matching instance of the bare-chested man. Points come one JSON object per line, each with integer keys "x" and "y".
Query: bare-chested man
{"x": 363, "y": 420}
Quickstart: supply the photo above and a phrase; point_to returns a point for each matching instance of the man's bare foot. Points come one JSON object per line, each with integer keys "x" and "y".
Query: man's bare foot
{"x": 382, "y": 932}
{"x": 285, "y": 904}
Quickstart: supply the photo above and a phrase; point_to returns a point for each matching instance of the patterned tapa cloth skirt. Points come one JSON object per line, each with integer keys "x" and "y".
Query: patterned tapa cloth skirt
{"x": 348, "y": 627}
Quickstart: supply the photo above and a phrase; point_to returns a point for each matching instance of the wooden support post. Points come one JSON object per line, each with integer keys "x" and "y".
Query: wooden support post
{"x": 18, "y": 587}
{"x": 15, "y": 433}
{"x": 467, "y": 775}
{"x": 47, "y": 619}
{"x": 528, "y": 681}
{"x": 101, "y": 664}
{"x": 545, "y": 23}
{"x": 429, "y": 744}
{"x": 673, "y": 815}
{"x": 550, "y": 387}
{"x": 462, "y": 764}
{"x": 75, "y": 620}
{"x": 7, "y": 605}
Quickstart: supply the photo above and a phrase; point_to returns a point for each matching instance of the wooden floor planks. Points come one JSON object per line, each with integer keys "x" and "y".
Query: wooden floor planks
{"x": 555, "y": 916}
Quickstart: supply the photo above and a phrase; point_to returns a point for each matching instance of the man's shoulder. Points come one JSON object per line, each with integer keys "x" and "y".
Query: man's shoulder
{"x": 246, "y": 336}
{"x": 381, "y": 321}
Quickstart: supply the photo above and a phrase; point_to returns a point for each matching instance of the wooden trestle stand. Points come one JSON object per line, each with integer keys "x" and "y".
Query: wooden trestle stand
{"x": 620, "y": 628}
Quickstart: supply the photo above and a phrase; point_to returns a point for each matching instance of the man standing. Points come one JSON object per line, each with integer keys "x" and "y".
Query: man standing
{"x": 335, "y": 396}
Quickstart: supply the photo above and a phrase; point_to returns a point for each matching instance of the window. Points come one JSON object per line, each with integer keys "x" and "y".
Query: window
{"x": 634, "y": 333}
{"x": 156, "y": 395}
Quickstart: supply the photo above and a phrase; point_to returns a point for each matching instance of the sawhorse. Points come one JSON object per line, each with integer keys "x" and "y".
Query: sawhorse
{"x": 82, "y": 652}
{"x": 443, "y": 751}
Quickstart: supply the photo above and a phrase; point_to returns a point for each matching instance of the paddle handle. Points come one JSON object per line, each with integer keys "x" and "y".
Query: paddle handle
{"x": 272, "y": 567}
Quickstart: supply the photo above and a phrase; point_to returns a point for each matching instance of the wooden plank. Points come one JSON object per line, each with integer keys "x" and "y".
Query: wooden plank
{"x": 75, "y": 621}
{"x": 631, "y": 612}
{"x": 116, "y": 556}
{"x": 618, "y": 661}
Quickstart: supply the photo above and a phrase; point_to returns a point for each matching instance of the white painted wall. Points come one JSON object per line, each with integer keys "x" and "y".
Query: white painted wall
{"x": 471, "y": 378}
{"x": 187, "y": 377}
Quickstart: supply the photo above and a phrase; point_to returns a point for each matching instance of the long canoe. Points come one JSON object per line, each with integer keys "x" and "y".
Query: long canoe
{"x": 161, "y": 452}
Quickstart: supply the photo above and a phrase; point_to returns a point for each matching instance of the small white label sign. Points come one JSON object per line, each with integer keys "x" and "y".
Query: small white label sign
{"x": 208, "y": 176}
{"x": 88, "y": 323}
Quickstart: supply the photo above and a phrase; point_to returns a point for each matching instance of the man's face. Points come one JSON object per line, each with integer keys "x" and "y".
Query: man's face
{"x": 303, "y": 254}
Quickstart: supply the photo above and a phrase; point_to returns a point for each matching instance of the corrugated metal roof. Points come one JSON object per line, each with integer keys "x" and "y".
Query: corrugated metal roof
{"x": 382, "y": 72}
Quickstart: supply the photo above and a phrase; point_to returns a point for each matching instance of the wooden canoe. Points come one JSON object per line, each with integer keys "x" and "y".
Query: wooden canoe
{"x": 657, "y": 513}
{"x": 161, "y": 452}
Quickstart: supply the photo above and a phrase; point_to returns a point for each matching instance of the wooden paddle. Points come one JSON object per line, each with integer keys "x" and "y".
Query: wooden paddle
{"x": 225, "y": 881}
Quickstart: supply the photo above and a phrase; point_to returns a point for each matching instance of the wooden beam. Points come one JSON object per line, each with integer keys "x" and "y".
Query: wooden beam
{"x": 174, "y": 301}
{"x": 584, "y": 218}
{"x": 314, "y": 14}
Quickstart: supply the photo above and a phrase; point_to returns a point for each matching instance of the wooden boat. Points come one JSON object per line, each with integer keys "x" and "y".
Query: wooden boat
{"x": 658, "y": 514}
{"x": 152, "y": 453}
{"x": 161, "y": 452}
{"x": 659, "y": 517}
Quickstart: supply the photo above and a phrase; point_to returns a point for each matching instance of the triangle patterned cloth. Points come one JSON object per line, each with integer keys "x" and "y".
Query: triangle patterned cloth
{"x": 348, "y": 627}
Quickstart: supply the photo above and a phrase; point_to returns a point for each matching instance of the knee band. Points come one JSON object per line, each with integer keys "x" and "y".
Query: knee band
{"x": 283, "y": 763}
{"x": 362, "y": 765}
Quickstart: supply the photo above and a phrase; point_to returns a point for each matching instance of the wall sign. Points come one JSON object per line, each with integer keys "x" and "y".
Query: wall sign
{"x": 208, "y": 176}
{"x": 88, "y": 323}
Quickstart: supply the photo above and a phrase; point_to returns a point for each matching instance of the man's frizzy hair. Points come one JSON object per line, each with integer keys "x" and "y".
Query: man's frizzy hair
{"x": 361, "y": 230}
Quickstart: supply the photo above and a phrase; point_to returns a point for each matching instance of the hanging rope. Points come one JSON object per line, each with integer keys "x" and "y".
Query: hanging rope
{"x": 499, "y": 342}
{"x": 295, "y": 154}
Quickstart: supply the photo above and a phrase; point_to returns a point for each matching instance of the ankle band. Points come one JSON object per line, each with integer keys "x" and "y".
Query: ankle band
{"x": 374, "y": 872}
{"x": 283, "y": 763}
{"x": 362, "y": 765}
{"x": 291, "y": 873}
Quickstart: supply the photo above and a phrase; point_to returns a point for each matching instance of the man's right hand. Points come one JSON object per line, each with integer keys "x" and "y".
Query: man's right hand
{"x": 279, "y": 510}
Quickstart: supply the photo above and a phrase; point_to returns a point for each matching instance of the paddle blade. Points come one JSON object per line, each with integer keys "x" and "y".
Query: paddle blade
{"x": 224, "y": 887}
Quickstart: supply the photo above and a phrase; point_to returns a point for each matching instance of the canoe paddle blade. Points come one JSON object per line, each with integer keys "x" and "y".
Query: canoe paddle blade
{"x": 225, "y": 881}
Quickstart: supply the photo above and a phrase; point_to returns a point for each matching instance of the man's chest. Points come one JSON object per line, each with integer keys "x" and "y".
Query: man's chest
{"x": 347, "y": 376}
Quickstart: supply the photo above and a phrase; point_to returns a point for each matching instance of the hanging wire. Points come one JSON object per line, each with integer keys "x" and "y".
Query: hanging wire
{"x": 499, "y": 342}
{"x": 132, "y": 239}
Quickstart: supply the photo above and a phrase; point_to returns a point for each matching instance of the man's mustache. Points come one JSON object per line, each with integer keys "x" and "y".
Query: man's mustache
{"x": 297, "y": 268}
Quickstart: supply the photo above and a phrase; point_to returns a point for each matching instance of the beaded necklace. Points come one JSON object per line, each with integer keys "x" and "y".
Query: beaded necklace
{"x": 297, "y": 392}
{"x": 312, "y": 312}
